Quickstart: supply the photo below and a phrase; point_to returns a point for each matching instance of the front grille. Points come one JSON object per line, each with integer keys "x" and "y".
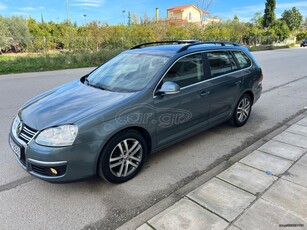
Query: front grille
{"x": 43, "y": 170}
{"x": 26, "y": 133}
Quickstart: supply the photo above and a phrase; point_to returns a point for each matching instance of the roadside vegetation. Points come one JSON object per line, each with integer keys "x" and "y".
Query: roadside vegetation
{"x": 54, "y": 61}
{"x": 50, "y": 45}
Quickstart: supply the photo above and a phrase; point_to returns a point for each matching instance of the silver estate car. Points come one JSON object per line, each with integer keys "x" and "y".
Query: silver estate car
{"x": 144, "y": 99}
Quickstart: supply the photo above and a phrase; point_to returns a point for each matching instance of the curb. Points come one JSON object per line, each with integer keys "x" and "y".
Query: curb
{"x": 180, "y": 193}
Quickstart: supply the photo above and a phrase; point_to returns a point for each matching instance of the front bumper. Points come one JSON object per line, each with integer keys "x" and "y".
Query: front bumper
{"x": 71, "y": 163}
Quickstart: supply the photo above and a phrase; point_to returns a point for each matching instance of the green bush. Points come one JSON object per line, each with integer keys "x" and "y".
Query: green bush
{"x": 301, "y": 36}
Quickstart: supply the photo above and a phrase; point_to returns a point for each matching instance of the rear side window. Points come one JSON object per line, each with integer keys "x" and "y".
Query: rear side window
{"x": 220, "y": 62}
{"x": 242, "y": 59}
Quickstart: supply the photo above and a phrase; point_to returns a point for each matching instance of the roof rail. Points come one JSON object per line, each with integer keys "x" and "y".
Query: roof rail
{"x": 221, "y": 43}
{"x": 166, "y": 42}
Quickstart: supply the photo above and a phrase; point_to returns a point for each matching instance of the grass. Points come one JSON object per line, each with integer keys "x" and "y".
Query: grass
{"x": 269, "y": 47}
{"x": 64, "y": 60}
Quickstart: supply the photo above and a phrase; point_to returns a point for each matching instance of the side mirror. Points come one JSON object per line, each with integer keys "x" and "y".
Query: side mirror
{"x": 169, "y": 87}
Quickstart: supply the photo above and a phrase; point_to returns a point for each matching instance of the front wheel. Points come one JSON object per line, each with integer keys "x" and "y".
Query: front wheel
{"x": 122, "y": 157}
{"x": 242, "y": 111}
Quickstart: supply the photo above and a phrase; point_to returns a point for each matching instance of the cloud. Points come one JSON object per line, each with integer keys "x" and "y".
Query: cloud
{"x": 88, "y": 3}
{"x": 24, "y": 14}
{"x": 245, "y": 13}
{"x": 249, "y": 9}
{"x": 2, "y": 6}
{"x": 290, "y": 5}
{"x": 29, "y": 8}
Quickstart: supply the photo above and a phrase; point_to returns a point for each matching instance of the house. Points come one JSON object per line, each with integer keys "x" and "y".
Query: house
{"x": 187, "y": 13}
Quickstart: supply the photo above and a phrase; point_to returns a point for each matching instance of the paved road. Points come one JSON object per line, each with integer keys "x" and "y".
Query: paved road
{"x": 29, "y": 203}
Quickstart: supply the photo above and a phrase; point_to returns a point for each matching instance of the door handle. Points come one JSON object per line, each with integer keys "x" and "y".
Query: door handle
{"x": 238, "y": 82}
{"x": 204, "y": 93}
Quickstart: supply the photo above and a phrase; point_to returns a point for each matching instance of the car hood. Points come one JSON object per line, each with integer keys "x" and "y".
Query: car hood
{"x": 68, "y": 104}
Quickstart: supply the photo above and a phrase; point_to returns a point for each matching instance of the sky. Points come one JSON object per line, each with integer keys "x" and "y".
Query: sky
{"x": 116, "y": 11}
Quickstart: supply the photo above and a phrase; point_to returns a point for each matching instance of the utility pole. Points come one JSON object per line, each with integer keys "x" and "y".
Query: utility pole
{"x": 84, "y": 16}
{"x": 124, "y": 15}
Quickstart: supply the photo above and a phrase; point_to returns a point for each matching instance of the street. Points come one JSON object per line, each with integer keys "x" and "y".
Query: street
{"x": 29, "y": 203}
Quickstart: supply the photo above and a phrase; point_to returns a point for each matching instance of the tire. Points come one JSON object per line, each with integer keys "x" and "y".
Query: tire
{"x": 115, "y": 165}
{"x": 242, "y": 111}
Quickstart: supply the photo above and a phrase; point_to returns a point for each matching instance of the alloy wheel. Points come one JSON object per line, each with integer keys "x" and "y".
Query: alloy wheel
{"x": 243, "y": 109}
{"x": 125, "y": 157}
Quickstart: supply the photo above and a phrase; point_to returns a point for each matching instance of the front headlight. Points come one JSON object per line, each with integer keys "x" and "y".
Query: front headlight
{"x": 63, "y": 135}
{"x": 15, "y": 124}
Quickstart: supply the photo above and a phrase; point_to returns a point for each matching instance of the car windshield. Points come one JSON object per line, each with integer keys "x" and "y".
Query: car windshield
{"x": 127, "y": 72}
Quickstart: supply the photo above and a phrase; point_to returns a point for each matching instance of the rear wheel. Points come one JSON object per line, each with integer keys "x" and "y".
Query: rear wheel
{"x": 242, "y": 111}
{"x": 122, "y": 157}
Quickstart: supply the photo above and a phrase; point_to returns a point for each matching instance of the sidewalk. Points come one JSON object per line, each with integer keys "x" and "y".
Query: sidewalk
{"x": 267, "y": 189}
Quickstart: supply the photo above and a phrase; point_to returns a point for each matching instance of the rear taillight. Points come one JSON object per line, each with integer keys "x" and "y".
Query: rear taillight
{"x": 260, "y": 80}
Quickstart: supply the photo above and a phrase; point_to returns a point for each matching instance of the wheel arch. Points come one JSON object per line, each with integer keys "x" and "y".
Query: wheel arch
{"x": 139, "y": 129}
{"x": 145, "y": 134}
{"x": 249, "y": 93}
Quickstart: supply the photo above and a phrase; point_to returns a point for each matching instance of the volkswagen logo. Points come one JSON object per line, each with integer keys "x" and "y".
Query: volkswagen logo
{"x": 19, "y": 128}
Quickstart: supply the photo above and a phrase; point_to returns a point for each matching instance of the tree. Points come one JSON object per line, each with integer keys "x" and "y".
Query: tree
{"x": 236, "y": 18}
{"x": 145, "y": 19}
{"x": 269, "y": 13}
{"x": 19, "y": 35}
{"x": 129, "y": 19}
{"x": 281, "y": 30}
{"x": 204, "y": 5}
{"x": 135, "y": 19}
{"x": 257, "y": 20}
{"x": 4, "y": 41}
{"x": 300, "y": 36}
{"x": 293, "y": 18}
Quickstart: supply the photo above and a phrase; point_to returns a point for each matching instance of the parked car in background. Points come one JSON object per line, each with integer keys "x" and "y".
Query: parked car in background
{"x": 304, "y": 42}
{"x": 143, "y": 100}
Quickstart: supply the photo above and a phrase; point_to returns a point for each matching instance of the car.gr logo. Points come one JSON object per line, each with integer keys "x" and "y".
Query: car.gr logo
{"x": 150, "y": 115}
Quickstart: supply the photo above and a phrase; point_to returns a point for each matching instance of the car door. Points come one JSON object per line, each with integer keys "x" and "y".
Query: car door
{"x": 225, "y": 82}
{"x": 180, "y": 114}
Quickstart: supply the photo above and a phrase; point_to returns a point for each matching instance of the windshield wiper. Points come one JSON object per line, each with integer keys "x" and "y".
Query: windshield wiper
{"x": 86, "y": 81}
{"x": 95, "y": 86}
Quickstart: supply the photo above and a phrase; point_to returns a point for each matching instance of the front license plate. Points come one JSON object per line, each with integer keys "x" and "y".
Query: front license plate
{"x": 15, "y": 148}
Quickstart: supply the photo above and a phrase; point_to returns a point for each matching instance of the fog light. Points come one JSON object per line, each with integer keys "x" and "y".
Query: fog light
{"x": 53, "y": 171}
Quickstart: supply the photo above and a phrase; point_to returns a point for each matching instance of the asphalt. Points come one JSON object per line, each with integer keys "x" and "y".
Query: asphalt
{"x": 262, "y": 187}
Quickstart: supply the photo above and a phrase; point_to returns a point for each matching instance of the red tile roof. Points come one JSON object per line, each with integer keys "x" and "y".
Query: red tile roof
{"x": 176, "y": 8}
